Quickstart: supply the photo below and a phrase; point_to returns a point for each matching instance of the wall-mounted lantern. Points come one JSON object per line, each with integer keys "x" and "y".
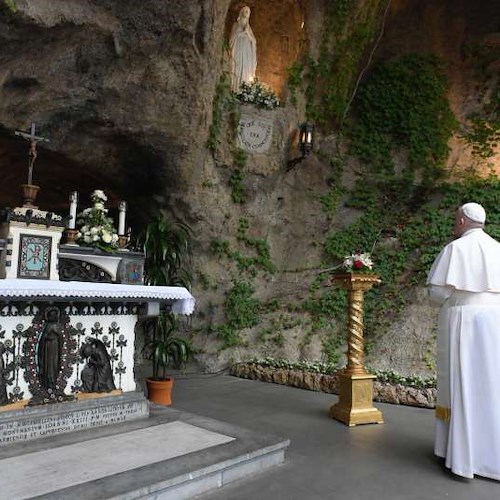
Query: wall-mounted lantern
{"x": 306, "y": 138}
{"x": 306, "y": 141}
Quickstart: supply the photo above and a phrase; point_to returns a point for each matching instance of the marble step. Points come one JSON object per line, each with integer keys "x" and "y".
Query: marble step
{"x": 170, "y": 455}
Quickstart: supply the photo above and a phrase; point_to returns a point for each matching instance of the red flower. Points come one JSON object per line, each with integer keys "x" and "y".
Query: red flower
{"x": 357, "y": 264}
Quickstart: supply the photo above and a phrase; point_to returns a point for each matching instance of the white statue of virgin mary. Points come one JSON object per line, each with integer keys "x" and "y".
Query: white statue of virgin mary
{"x": 243, "y": 48}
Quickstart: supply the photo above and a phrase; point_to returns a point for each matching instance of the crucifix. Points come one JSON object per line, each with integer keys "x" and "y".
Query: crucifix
{"x": 32, "y": 153}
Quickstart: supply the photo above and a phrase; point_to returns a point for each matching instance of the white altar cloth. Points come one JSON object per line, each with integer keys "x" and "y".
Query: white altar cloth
{"x": 182, "y": 301}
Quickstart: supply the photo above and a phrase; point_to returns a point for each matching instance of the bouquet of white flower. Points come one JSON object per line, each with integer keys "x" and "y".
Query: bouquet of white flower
{"x": 96, "y": 228}
{"x": 358, "y": 262}
{"x": 258, "y": 94}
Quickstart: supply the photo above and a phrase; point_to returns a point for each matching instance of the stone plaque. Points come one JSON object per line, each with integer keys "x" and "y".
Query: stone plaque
{"x": 255, "y": 134}
{"x": 86, "y": 415}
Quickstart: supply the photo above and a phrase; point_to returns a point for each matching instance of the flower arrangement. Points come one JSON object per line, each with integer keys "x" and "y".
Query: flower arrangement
{"x": 96, "y": 228}
{"x": 258, "y": 94}
{"x": 358, "y": 262}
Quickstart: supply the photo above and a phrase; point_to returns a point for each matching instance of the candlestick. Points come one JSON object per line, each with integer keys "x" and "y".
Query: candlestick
{"x": 73, "y": 198}
{"x": 122, "y": 208}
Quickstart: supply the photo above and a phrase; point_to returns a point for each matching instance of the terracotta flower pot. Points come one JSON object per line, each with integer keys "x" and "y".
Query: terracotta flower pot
{"x": 159, "y": 391}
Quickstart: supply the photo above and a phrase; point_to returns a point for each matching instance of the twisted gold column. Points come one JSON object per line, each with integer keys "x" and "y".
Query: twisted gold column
{"x": 356, "y": 385}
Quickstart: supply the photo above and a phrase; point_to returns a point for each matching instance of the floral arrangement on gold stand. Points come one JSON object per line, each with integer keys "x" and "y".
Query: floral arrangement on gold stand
{"x": 356, "y": 384}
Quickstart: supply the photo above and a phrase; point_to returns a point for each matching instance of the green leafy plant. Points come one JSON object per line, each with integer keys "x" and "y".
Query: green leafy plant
{"x": 403, "y": 104}
{"x": 164, "y": 348}
{"x": 238, "y": 194}
{"x": 383, "y": 376}
{"x": 331, "y": 77}
{"x": 10, "y": 5}
{"x": 241, "y": 310}
{"x": 167, "y": 247}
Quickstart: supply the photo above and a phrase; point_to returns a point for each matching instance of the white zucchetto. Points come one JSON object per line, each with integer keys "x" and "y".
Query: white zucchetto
{"x": 474, "y": 211}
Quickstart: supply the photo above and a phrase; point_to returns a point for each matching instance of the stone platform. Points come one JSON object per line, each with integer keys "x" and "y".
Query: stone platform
{"x": 170, "y": 455}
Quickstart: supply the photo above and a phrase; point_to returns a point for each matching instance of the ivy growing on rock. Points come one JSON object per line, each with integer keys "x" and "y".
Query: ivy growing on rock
{"x": 403, "y": 104}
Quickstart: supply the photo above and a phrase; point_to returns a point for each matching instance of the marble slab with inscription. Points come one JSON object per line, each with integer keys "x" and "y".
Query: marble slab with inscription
{"x": 255, "y": 134}
{"x": 39, "y": 422}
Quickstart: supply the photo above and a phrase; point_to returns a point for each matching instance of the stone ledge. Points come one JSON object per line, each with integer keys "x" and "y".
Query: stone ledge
{"x": 382, "y": 392}
{"x": 49, "y": 420}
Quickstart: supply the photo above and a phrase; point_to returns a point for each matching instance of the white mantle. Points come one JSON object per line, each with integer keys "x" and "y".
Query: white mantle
{"x": 182, "y": 301}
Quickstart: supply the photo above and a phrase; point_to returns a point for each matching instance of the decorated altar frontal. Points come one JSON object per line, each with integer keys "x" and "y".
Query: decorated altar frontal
{"x": 72, "y": 344}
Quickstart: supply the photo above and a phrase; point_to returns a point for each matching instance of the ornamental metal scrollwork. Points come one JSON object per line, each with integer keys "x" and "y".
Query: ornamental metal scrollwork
{"x": 79, "y": 270}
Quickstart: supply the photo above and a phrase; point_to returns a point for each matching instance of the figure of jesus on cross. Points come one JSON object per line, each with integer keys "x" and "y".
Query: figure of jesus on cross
{"x": 32, "y": 153}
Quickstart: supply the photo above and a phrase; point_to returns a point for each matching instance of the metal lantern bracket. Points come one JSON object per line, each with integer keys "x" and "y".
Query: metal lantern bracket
{"x": 306, "y": 142}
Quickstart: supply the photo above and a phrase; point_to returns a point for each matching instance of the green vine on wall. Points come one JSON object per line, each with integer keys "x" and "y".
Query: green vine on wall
{"x": 238, "y": 194}
{"x": 241, "y": 311}
{"x": 332, "y": 77}
{"x": 9, "y": 5}
{"x": 260, "y": 258}
{"x": 484, "y": 128}
{"x": 403, "y": 104}
{"x": 224, "y": 101}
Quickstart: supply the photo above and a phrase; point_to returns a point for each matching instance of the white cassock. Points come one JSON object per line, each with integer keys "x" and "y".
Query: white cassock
{"x": 465, "y": 280}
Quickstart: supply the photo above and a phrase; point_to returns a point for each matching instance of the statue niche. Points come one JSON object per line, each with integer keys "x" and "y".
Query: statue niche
{"x": 97, "y": 376}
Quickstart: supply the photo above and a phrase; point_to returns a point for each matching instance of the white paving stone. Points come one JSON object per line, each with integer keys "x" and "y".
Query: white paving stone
{"x": 58, "y": 468}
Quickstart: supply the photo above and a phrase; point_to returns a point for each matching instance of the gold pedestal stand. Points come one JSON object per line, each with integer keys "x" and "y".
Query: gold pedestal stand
{"x": 355, "y": 383}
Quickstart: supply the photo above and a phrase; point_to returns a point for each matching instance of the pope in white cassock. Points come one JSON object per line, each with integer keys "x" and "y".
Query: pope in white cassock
{"x": 465, "y": 281}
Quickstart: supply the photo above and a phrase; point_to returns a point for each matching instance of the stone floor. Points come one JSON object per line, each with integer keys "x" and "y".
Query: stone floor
{"x": 327, "y": 460}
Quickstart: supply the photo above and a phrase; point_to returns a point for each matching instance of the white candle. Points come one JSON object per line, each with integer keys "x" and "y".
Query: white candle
{"x": 122, "y": 208}
{"x": 73, "y": 198}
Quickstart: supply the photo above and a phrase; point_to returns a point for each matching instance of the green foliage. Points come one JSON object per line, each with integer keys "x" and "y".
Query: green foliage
{"x": 294, "y": 80}
{"x": 403, "y": 104}
{"x": 484, "y": 128}
{"x": 407, "y": 240}
{"x": 164, "y": 348}
{"x": 484, "y": 136}
{"x": 237, "y": 189}
{"x": 10, "y": 5}
{"x": 223, "y": 101}
{"x": 387, "y": 377}
{"x": 241, "y": 310}
{"x": 236, "y": 180}
{"x": 167, "y": 247}
{"x": 261, "y": 258}
{"x": 331, "y": 346}
{"x": 331, "y": 78}
{"x": 416, "y": 381}
{"x": 168, "y": 262}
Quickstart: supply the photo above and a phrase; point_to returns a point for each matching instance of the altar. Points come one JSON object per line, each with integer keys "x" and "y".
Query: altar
{"x": 69, "y": 316}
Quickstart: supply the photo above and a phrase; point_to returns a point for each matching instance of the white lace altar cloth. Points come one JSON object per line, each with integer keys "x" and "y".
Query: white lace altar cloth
{"x": 182, "y": 301}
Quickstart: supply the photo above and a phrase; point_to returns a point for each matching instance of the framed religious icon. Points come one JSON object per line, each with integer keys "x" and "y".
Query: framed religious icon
{"x": 34, "y": 256}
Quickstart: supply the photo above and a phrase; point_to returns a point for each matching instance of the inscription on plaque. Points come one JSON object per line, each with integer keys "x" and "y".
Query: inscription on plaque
{"x": 33, "y": 428}
{"x": 255, "y": 134}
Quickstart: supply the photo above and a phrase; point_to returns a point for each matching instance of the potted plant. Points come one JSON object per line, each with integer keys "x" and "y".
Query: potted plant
{"x": 167, "y": 249}
{"x": 164, "y": 349}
